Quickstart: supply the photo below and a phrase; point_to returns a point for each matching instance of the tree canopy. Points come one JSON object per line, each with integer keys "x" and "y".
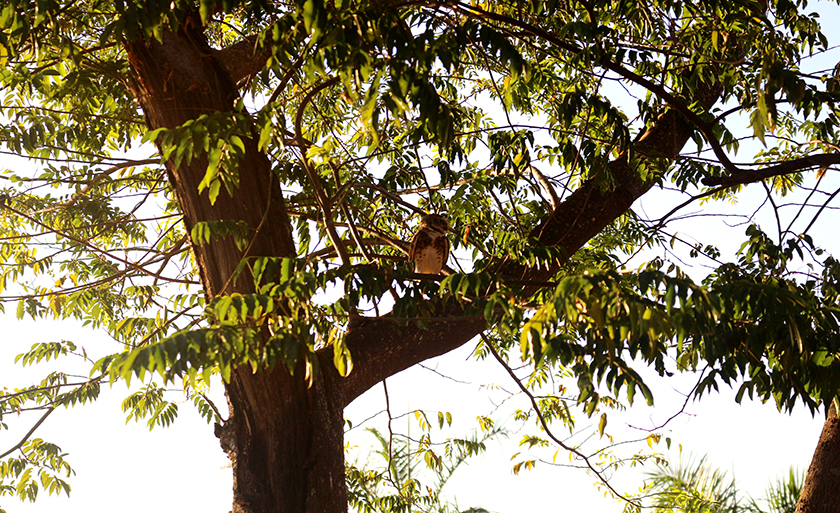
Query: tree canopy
{"x": 229, "y": 189}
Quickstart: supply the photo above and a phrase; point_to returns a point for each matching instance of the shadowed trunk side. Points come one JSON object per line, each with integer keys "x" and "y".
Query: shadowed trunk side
{"x": 821, "y": 490}
{"x": 285, "y": 440}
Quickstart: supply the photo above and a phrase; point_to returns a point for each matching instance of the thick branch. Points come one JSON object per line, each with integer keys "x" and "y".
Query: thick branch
{"x": 243, "y": 59}
{"x": 382, "y": 347}
{"x": 783, "y": 168}
{"x": 736, "y": 176}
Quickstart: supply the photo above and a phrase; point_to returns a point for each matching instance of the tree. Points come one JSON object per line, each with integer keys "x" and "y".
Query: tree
{"x": 205, "y": 172}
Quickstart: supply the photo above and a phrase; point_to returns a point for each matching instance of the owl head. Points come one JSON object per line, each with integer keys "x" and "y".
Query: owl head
{"x": 435, "y": 222}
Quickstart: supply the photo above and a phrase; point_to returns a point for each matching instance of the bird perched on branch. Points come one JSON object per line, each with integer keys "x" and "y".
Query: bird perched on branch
{"x": 429, "y": 247}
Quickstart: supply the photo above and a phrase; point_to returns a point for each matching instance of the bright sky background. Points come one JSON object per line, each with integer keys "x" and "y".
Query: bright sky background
{"x": 129, "y": 469}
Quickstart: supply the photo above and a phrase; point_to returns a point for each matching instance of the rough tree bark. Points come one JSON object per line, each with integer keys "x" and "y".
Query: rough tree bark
{"x": 286, "y": 440}
{"x": 821, "y": 490}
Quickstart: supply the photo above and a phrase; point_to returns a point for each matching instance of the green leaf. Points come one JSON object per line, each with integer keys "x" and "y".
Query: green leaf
{"x": 341, "y": 354}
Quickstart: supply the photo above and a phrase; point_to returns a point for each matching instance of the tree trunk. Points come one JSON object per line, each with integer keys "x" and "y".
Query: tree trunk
{"x": 821, "y": 490}
{"x": 285, "y": 440}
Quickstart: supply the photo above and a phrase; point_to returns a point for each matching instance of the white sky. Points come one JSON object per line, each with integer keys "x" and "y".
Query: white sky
{"x": 182, "y": 468}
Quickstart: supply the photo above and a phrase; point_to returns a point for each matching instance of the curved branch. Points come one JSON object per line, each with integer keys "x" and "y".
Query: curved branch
{"x": 29, "y": 433}
{"x": 320, "y": 197}
{"x": 684, "y": 204}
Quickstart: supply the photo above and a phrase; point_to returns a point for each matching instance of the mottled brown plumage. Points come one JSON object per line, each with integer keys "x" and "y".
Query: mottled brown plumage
{"x": 429, "y": 247}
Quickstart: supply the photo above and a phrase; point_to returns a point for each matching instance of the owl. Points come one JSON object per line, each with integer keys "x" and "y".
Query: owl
{"x": 429, "y": 247}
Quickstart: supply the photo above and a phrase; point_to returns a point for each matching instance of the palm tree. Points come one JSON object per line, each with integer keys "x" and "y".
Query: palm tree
{"x": 699, "y": 487}
{"x": 782, "y": 494}
{"x": 410, "y": 478}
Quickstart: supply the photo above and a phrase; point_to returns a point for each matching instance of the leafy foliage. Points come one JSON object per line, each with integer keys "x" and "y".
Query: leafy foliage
{"x": 401, "y": 485}
{"x": 693, "y": 487}
{"x": 41, "y": 466}
{"x": 747, "y": 321}
{"x": 697, "y": 487}
{"x": 496, "y": 114}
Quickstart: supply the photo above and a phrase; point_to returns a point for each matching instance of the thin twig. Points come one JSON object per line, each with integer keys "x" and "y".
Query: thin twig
{"x": 444, "y": 375}
{"x": 28, "y": 391}
{"x": 394, "y": 243}
{"x": 101, "y": 176}
{"x": 390, "y": 436}
{"x": 382, "y": 191}
{"x": 814, "y": 220}
{"x": 94, "y": 248}
{"x": 354, "y": 233}
{"x": 688, "y": 396}
{"x": 685, "y": 203}
{"x": 805, "y": 203}
{"x": 281, "y": 86}
{"x": 775, "y": 210}
{"x": 213, "y": 407}
{"x": 544, "y": 423}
